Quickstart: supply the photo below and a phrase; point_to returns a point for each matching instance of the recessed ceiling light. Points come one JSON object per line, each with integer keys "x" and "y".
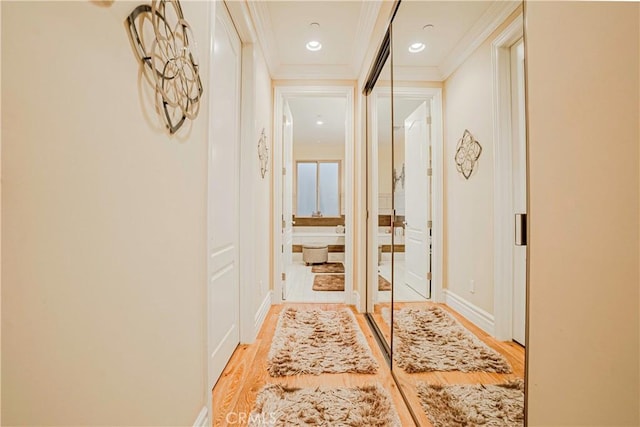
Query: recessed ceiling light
{"x": 314, "y": 45}
{"x": 319, "y": 122}
{"x": 416, "y": 47}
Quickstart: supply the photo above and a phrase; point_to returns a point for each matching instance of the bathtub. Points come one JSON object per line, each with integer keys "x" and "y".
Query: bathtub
{"x": 327, "y": 235}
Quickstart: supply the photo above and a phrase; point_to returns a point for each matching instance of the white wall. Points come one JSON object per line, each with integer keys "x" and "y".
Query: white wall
{"x": 104, "y": 226}
{"x": 583, "y": 106}
{"x": 261, "y": 243}
{"x": 469, "y": 203}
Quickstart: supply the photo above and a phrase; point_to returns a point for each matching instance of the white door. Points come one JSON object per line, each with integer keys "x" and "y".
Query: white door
{"x": 519, "y": 188}
{"x": 417, "y": 200}
{"x": 223, "y": 197}
{"x": 287, "y": 196}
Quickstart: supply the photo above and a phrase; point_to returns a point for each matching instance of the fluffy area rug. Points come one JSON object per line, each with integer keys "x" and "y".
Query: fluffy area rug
{"x": 328, "y": 282}
{"x": 365, "y": 406}
{"x": 330, "y": 267}
{"x": 499, "y": 405}
{"x": 383, "y": 284}
{"x": 430, "y": 339}
{"x": 317, "y": 342}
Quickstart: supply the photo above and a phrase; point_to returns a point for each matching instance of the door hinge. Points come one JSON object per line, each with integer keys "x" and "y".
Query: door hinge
{"x": 284, "y": 171}
{"x": 284, "y": 276}
{"x": 429, "y": 276}
{"x": 429, "y": 120}
{"x": 429, "y": 172}
{"x": 429, "y": 224}
{"x": 282, "y": 248}
{"x": 284, "y": 223}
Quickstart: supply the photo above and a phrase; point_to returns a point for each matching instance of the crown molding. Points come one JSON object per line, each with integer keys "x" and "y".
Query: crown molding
{"x": 487, "y": 24}
{"x": 417, "y": 74}
{"x": 319, "y": 72}
{"x": 261, "y": 17}
{"x": 369, "y": 11}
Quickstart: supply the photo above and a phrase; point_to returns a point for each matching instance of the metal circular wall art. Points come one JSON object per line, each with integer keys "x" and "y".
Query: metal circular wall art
{"x": 165, "y": 45}
{"x": 467, "y": 153}
{"x": 263, "y": 153}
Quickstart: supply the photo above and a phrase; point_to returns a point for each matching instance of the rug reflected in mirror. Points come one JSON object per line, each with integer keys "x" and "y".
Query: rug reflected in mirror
{"x": 430, "y": 339}
{"x": 498, "y": 405}
{"x": 383, "y": 284}
{"x": 369, "y": 405}
{"x": 319, "y": 341}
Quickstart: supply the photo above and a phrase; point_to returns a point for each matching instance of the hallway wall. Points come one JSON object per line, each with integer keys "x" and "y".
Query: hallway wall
{"x": 104, "y": 228}
{"x": 256, "y": 222}
{"x": 584, "y": 132}
{"x": 468, "y": 104}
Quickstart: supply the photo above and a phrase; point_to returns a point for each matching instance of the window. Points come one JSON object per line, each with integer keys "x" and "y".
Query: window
{"x": 318, "y": 192}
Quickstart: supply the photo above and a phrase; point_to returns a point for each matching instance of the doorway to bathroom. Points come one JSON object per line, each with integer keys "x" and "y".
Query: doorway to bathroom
{"x": 313, "y": 209}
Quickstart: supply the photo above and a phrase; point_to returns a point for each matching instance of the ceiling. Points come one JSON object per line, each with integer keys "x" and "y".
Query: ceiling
{"x": 307, "y": 110}
{"x": 346, "y": 29}
{"x": 459, "y": 27}
{"x": 283, "y": 29}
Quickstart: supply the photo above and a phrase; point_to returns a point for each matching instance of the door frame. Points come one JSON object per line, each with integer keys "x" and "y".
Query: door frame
{"x": 434, "y": 96}
{"x": 282, "y": 92}
{"x": 503, "y": 225}
{"x": 248, "y": 323}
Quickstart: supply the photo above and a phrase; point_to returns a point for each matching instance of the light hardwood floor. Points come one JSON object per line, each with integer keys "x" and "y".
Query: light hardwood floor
{"x": 246, "y": 372}
{"x": 513, "y": 352}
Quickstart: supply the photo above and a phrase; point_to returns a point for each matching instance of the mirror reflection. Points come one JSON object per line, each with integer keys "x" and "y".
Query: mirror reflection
{"x": 448, "y": 147}
{"x": 381, "y": 202}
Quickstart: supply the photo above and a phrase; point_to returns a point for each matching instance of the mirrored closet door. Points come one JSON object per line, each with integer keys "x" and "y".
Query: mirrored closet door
{"x": 447, "y": 204}
{"x": 380, "y": 200}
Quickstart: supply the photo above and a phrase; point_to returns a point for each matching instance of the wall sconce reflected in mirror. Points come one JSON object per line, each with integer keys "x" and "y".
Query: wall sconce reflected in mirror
{"x": 398, "y": 178}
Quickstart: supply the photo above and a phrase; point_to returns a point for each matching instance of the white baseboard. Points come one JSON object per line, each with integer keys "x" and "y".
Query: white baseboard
{"x": 261, "y": 314}
{"x": 355, "y": 300}
{"x": 203, "y": 418}
{"x": 471, "y": 312}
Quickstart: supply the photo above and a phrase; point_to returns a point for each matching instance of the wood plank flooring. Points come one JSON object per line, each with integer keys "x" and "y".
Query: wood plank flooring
{"x": 246, "y": 373}
{"x": 513, "y": 352}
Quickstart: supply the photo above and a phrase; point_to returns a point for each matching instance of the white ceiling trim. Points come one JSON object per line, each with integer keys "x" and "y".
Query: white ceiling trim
{"x": 487, "y": 24}
{"x": 416, "y": 73}
{"x": 262, "y": 23}
{"x": 368, "y": 16}
{"x": 329, "y": 72}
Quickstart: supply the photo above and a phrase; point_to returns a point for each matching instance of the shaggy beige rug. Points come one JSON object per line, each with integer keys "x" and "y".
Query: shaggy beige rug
{"x": 364, "y": 406}
{"x": 317, "y": 342}
{"x": 383, "y": 284}
{"x": 330, "y": 267}
{"x": 499, "y": 405}
{"x": 328, "y": 282}
{"x": 430, "y": 339}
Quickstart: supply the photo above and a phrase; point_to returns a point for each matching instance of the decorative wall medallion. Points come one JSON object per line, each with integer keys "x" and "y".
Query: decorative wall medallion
{"x": 398, "y": 178}
{"x": 165, "y": 45}
{"x": 263, "y": 153}
{"x": 467, "y": 154}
